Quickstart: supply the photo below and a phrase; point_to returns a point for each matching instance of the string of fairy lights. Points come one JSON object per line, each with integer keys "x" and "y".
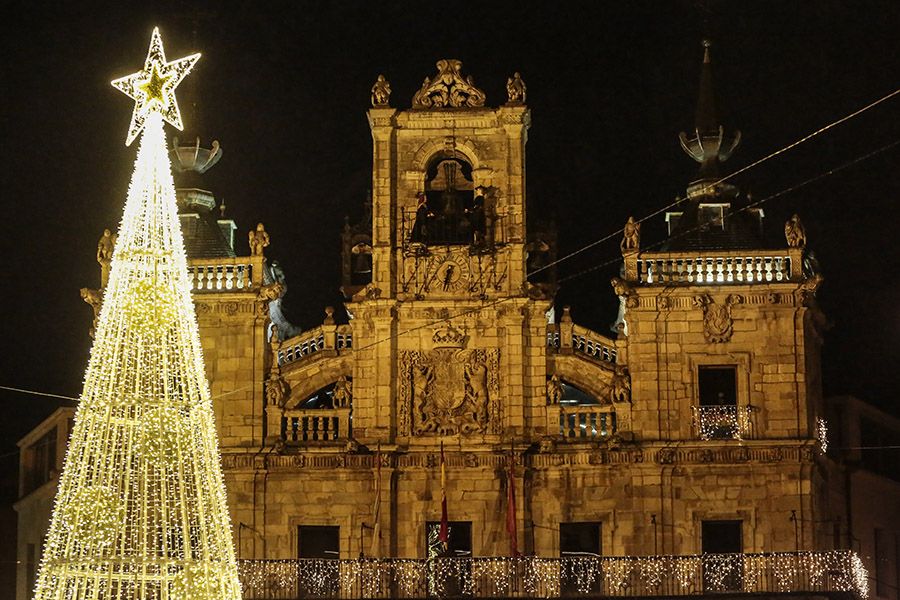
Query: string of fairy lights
{"x": 141, "y": 510}
{"x": 530, "y": 576}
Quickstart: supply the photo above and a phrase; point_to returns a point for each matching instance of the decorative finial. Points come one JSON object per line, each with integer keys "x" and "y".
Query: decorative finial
{"x": 708, "y": 145}
{"x": 449, "y": 88}
{"x": 153, "y": 87}
{"x": 381, "y": 92}
{"x": 222, "y": 209}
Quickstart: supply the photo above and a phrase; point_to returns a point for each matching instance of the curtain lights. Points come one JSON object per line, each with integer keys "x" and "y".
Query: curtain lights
{"x": 140, "y": 512}
{"x": 529, "y": 576}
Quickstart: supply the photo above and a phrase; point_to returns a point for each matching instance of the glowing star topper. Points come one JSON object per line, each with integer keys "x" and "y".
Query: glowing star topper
{"x": 153, "y": 87}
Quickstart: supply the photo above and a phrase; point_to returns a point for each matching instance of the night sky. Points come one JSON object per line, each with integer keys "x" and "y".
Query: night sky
{"x": 284, "y": 88}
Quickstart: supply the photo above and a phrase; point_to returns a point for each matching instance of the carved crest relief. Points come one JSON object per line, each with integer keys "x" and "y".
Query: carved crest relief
{"x": 718, "y": 324}
{"x": 449, "y": 389}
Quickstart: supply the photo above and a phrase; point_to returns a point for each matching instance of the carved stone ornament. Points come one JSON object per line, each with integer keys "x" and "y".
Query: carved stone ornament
{"x": 381, "y": 92}
{"x": 631, "y": 237}
{"x": 343, "y": 393}
{"x": 620, "y": 386}
{"x": 554, "y": 390}
{"x": 450, "y": 389}
{"x": 448, "y": 89}
{"x": 625, "y": 290}
{"x": 105, "y": 247}
{"x": 809, "y": 287}
{"x": 95, "y": 299}
{"x": 515, "y": 89}
{"x": 795, "y": 233}
{"x": 718, "y": 324}
{"x": 277, "y": 390}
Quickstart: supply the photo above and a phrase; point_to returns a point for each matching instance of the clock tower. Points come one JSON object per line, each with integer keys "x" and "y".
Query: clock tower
{"x": 447, "y": 307}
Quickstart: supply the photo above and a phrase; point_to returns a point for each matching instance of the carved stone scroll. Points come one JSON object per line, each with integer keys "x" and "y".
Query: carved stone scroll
{"x": 448, "y": 89}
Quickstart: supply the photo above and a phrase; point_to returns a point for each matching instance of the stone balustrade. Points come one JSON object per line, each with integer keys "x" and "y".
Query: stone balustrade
{"x": 723, "y": 422}
{"x": 332, "y": 338}
{"x": 814, "y": 574}
{"x": 239, "y": 274}
{"x": 716, "y": 267}
{"x": 315, "y": 425}
{"x": 568, "y": 337}
{"x": 582, "y": 422}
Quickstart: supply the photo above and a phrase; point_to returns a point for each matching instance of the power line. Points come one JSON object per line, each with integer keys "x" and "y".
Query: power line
{"x": 712, "y": 185}
{"x": 591, "y": 269}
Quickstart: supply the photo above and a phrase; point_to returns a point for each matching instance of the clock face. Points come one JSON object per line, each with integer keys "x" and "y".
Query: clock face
{"x": 450, "y": 275}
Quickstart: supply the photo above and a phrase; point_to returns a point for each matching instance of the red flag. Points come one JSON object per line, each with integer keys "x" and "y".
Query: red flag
{"x": 511, "y": 508}
{"x": 444, "y": 535}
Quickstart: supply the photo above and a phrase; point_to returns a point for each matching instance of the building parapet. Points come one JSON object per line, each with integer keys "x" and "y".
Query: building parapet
{"x": 238, "y": 274}
{"x": 839, "y": 571}
{"x": 718, "y": 267}
{"x": 568, "y": 337}
{"x": 337, "y": 338}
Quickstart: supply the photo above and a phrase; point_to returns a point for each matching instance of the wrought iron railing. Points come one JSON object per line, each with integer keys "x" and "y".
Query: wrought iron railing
{"x": 572, "y": 576}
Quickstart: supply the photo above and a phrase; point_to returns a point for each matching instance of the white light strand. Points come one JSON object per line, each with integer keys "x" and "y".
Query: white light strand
{"x": 822, "y": 434}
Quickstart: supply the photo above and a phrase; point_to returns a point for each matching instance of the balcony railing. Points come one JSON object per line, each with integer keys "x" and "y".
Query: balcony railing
{"x": 339, "y": 338}
{"x": 315, "y": 425}
{"x": 718, "y": 268}
{"x": 567, "y": 336}
{"x": 723, "y": 422}
{"x": 575, "y": 576}
{"x": 238, "y": 274}
{"x": 585, "y": 422}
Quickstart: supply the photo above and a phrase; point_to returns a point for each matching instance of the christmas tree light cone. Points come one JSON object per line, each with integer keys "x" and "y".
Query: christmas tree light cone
{"x": 141, "y": 508}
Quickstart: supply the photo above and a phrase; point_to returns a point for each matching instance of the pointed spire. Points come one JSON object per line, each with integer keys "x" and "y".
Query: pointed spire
{"x": 706, "y": 120}
{"x": 709, "y": 144}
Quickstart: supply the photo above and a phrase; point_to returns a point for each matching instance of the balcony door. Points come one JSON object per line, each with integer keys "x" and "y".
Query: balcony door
{"x": 580, "y": 548}
{"x": 723, "y": 564}
{"x": 319, "y": 542}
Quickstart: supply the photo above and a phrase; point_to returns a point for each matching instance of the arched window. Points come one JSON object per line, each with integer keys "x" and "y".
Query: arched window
{"x": 575, "y": 396}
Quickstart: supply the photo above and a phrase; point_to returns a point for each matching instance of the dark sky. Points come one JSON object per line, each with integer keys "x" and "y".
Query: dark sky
{"x": 284, "y": 87}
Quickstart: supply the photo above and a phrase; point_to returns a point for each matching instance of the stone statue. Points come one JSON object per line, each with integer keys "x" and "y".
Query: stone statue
{"x": 343, "y": 393}
{"x": 381, "y": 92}
{"x": 625, "y": 290}
{"x": 515, "y": 89}
{"x": 104, "y": 255}
{"x": 631, "y": 236}
{"x": 620, "y": 386}
{"x": 794, "y": 233}
{"x": 95, "y": 299}
{"x": 259, "y": 239}
{"x": 554, "y": 390}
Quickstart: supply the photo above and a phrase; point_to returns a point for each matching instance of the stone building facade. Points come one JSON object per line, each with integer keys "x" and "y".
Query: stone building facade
{"x": 691, "y": 429}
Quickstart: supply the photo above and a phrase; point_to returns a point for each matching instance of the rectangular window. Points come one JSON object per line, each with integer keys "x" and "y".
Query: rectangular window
{"x": 718, "y": 415}
{"x": 41, "y": 458}
{"x": 581, "y": 542}
{"x": 718, "y": 385}
{"x": 723, "y": 573}
{"x": 318, "y": 542}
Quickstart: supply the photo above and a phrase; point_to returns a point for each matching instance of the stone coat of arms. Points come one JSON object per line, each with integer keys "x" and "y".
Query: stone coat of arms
{"x": 449, "y": 389}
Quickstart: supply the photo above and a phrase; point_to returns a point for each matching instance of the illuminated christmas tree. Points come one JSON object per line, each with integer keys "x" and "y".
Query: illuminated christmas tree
{"x": 141, "y": 511}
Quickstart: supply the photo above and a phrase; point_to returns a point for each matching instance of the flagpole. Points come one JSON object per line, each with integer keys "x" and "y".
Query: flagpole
{"x": 375, "y": 551}
{"x": 444, "y": 535}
